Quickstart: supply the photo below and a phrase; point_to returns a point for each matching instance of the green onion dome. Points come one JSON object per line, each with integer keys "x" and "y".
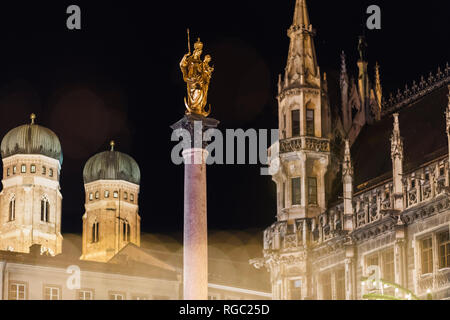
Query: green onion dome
{"x": 32, "y": 139}
{"x": 111, "y": 165}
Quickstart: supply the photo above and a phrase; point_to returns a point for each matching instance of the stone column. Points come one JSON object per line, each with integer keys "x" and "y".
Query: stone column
{"x": 350, "y": 276}
{"x": 195, "y": 238}
{"x": 195, "y": 226}
{"x": 400, "y": 265}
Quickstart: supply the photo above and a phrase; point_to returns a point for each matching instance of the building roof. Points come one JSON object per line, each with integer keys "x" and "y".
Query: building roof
{"x": 422, "y": 127}
{"x": 71, "y": 253}
{"x": 111, "y": 165}
{"x": 32, "y": 139}
{"x": 161, "y": 257}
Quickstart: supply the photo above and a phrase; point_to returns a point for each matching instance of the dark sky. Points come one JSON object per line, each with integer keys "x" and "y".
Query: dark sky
{"x": 118, "y": 78}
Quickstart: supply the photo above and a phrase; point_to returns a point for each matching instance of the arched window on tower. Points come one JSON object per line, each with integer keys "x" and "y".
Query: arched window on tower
{"x": 310, "y": 118}
{"x": 126, "y": 231}
{"x": 12, "y": 209}
{"x": 45, "y": 210}
{"x": 95, "y": 232}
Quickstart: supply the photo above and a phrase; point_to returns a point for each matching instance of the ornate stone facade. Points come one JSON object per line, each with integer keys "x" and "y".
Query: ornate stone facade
{"x": 396, "y": 223}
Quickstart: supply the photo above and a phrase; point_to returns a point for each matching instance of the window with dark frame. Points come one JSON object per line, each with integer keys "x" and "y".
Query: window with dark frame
{"x": 310, "y": 122}
{"x": 296, "y": 191}
{"x": 95, "y": 236}
{"x": 12, "y": 209}
{"x": 295, "y": 118}
{"x": 23, "y": 168}
{"x": 312, "y": 190}
{"x": 283, "y": 196}
{"x": 443, "y": 240}
{"x": 45, "y": 210}
{"x": 33, "y": 168}
{"x": 427, "y": 255}
{"x": 126, "y": 231}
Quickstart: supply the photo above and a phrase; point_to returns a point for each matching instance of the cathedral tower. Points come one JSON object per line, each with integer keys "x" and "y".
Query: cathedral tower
{"x": 111, "y": 220}
{"x": 30, "y": 202}
{"x": 301, "y": 163}
{"x": 304, "y": 122}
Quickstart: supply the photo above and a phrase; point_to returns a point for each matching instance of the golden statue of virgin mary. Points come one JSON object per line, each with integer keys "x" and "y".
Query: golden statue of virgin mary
{"x": 197, "y": 75}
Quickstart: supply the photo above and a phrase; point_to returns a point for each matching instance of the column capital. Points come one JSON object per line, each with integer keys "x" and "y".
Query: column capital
{"x": 196, "y": 125}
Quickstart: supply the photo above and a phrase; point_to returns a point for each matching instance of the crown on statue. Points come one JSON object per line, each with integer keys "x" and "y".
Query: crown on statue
{"x": 198, "y": 45}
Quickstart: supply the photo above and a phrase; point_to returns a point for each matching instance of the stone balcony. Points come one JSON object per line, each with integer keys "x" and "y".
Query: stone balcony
{"x": 304, "y": 144}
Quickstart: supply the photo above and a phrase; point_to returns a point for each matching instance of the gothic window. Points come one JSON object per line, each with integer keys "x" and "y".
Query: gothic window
{"x": 106, "y": 194}
{"x": 14, "y": 169}
{"x": 295, "y": 288}
{"x": 326, "y": 287}
{"x": 45, "y": 210}
{"x": 97, "y": 194}
{"x": 284, "y": 126}
{"x": 17, "y": 291}
{"x": 12, "y": 209}
{"x": 91, "y": 196}
{"x": 44, "y": 170}
{"x": 126, "y": 231}
{"x": 23, "y": 168}
{"x": 295, "y": 118}
{"x": 340, "y": 284}
{"x": 50, "y": 172}
{"x": 283, "y": 196}
{"x": 116, "y": 194}
{"x": 312, "y": 190}
{"x": 444, "y": 249}
{"x": 296, "y": 191}
{"x": 7, "y": 172}
{"x": 95, "y": 236}
{"x": 310, "y": 122}
{"x": 33, "y": 168}
{"x": 125, "y": 195}
{"x": 131, "y": 197}
{"x": 427, "y": 255}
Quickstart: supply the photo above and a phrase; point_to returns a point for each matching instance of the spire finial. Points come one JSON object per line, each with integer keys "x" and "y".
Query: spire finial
{"x": 112, "y": 144}
{"x": 32, "y": 117}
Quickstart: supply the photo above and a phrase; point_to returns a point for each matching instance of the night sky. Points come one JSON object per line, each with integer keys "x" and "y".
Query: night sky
{"x": 118, "y": 78}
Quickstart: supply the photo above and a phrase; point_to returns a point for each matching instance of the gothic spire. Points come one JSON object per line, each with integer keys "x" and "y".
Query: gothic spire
{"x": 397, "y": 164}
{"x": 347, "y": 167}
{"x": 301, "y": 68}
{"x": 378, "y": 88}
{"x": 301, "y": 17}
